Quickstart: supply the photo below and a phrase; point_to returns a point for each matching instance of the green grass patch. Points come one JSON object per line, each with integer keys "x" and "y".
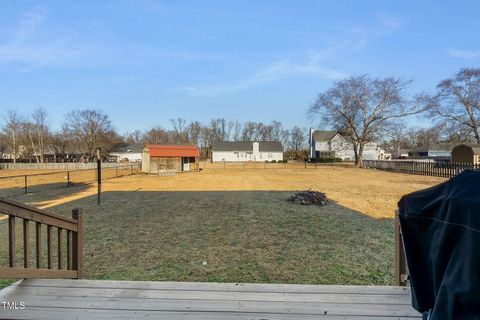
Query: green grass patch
{"x": 234, "y": 236}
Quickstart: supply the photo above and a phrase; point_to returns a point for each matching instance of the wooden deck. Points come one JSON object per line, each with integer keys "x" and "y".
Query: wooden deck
{"x": 91, "y": 299}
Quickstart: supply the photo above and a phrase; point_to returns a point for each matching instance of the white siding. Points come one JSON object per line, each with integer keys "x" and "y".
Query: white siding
{"x": 132, "y": 157}
{"x": 240, "y": 156}
{"x": 344, "y": 149}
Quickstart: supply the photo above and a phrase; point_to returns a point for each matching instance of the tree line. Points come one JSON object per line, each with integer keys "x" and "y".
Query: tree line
{"x": 85, "y": 130}
{"x": 363, "y": 108}
{"x": 374, "y": 109}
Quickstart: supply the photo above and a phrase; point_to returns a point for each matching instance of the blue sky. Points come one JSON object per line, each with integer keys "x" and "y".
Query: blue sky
{"x": 145, "y": 62}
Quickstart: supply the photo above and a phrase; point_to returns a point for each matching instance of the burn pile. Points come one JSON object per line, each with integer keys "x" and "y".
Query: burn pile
{"x": 309, "y": 198}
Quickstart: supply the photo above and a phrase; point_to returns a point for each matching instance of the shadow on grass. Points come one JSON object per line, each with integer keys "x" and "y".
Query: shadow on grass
{"x": 231, "y": 236}
{"x": 20, "y": 191}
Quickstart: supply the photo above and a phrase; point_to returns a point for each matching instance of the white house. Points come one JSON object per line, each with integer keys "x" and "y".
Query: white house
{"x": 240, "y": 151}
{"x": 126, "y": 152}
{"x": 332, "y": 144}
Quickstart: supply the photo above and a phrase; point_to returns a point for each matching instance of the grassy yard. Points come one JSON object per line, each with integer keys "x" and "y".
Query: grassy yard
{"x": 234, "y": 226}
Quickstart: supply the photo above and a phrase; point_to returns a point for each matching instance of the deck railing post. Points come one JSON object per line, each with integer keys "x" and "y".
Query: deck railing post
{"x": 77, "y": 243}
{"x": 400, "y": 259}
{"x": 11, "y": 241}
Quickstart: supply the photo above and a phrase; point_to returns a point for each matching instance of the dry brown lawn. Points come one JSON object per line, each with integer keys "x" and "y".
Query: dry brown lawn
{"x": 371, "y": 192}
{"x": 239, "y": 223}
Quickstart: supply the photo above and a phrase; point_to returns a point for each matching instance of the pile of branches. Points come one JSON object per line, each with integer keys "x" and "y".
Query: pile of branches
{"x": 309, "y": 198}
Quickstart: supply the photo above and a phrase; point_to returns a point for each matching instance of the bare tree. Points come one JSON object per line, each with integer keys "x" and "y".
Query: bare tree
{"x": 297, "y": 139}
{"x": 157, "y": 135}
{"x": 285, "y": 138}
{"x": 41, "y": 133}
{"x": 458, "y": 101}
{"x": 276, "y": 130}
{"x": 11, "y": 128}
{"x": 248, "y": 132}
{"x": 133, "y": 137}
{"x": 194, "y": 132}
{"x": 237, "y": 131}
{"x": 91, "y": 129}
{"x": 179, "y": 127}
{"x": 364, "y": 106}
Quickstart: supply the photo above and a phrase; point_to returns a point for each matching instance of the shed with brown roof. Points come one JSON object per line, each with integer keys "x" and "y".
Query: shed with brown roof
{"x": 158, "y": 158}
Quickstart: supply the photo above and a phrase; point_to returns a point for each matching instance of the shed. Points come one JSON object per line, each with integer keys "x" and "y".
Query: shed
{"x": 158, "y": 158}
{"x": 466, "y": 153}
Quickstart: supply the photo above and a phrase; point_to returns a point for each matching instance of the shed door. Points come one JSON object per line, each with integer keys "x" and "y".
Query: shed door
{"x": 186, "y": 165}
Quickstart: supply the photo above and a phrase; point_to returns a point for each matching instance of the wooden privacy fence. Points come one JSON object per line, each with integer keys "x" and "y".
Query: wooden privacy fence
{"x": 68, "y": 253}
{"x": 443, "y": 169}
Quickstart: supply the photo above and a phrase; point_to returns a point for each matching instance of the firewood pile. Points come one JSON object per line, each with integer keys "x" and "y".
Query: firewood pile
{"x": 309, "y": 198}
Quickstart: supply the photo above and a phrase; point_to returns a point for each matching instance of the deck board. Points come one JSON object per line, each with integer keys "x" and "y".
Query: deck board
{"x": 91, "y": 299}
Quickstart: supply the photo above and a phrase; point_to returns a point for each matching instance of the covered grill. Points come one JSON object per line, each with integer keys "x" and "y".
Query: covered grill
{"x": 441, "y": 235}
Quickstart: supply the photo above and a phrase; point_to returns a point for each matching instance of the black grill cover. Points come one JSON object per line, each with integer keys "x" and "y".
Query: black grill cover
{"x": 441, "y": 234}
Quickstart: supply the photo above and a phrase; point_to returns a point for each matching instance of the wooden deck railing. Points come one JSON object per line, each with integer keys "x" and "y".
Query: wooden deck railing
{"x": 66, "y": 228}
{"x": 401, "y": 271}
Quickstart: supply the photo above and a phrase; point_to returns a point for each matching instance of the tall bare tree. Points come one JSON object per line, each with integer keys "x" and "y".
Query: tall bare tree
{"x": 363, "y": 106}
{"x": 297, "y": 139}
{"x": 237, "y": 131}
{"x": 12, "y": 126}
{"x": 91, "y": 129}
{"x": 179, "y": 127}
{"x": 458, "y": 101}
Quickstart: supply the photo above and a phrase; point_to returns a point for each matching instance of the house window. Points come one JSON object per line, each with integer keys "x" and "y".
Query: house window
{"x": 237, "y": 154}
{"x": 270, "y": 155}
{"x": 241, "y": 155}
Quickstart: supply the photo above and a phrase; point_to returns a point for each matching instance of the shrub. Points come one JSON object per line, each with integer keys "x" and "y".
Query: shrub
{"x": 274, "y": 161}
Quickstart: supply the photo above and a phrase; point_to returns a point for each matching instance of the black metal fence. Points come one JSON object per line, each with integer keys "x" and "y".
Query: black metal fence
{"x": 443, "y": 169}
{"x": 11, "y": 185}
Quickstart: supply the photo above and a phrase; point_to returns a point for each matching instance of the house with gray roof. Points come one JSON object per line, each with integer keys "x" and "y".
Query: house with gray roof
{"x": 439, "y": 151}
{"x": 126, "y": 152}
{"x": 329, "y": 144}
{"x": 239, "y": 151}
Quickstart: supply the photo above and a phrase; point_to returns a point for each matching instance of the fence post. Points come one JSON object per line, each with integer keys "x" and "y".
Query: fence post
{"x": 400, "y": 259}
{"x": 68, "y": 178}
{"x": 131, "y": 170}
{"x": 116, "y": 172}
{"x": 77, "y": 243}
{"x": 305, "y": 164}
{"x": 26, "y": 184}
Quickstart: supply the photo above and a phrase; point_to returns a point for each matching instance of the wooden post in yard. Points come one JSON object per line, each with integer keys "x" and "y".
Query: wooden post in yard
{"x": 77, "y": 243}
{"x": 99, "y": 177}
{"x": 68, "y": 178}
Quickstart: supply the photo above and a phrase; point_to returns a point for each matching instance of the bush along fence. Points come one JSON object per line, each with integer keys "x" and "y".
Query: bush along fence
{"x": 443, "y": 169}
{"x": 34, "y": 183}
